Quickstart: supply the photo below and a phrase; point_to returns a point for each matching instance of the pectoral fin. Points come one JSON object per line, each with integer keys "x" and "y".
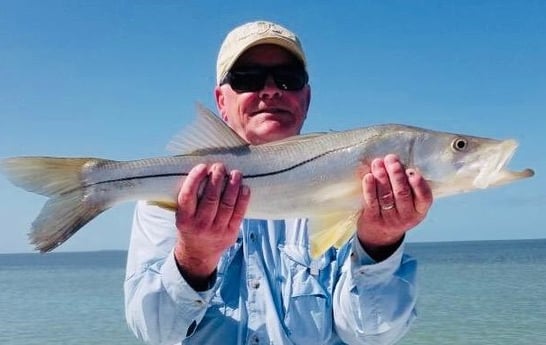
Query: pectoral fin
{"x": 334, "y": 229}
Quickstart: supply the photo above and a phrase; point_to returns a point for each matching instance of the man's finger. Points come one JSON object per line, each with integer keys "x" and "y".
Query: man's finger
{"x": 385, "y": 195}
{"x": 240, "y": 208}
{"x": 188, "y": 194}
{"x": 207, "y": 205}
{"x": 228, "y": 199}
{"x": 371, "y": 206}
{"x": 421, "y": 190}
{"x": 401, "y": 188}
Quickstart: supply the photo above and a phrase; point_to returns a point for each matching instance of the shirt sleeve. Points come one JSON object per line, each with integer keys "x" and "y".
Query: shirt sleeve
{"x": 374, "y": 303}
{"x": 160, "y": 306}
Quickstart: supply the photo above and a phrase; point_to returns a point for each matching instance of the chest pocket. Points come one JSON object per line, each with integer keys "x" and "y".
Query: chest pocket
{"x": 307, "y": 295}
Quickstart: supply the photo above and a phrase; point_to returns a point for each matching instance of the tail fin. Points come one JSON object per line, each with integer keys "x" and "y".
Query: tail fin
{"x": 60, "y": 179}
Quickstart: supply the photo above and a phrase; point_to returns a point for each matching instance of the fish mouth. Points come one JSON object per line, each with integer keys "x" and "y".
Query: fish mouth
{"x": 494, "y": 172}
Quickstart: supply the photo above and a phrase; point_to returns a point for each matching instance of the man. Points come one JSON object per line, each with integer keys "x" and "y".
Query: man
{"x": 205, "y": 275}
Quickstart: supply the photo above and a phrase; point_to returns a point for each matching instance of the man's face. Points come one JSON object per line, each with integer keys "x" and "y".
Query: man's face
{"x": 268, "y": 114}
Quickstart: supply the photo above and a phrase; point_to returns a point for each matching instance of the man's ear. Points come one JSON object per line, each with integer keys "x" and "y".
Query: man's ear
{"x": 220, "y": 102}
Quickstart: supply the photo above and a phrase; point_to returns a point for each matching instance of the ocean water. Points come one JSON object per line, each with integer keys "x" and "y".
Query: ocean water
{"x": 487, "y": 292}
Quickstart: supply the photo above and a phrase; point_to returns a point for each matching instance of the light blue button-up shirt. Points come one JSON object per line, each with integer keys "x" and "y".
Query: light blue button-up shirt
{"x": 267, "y": 289}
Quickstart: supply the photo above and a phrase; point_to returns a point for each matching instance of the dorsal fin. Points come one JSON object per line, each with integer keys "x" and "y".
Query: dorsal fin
{"x": 208, "y": 131}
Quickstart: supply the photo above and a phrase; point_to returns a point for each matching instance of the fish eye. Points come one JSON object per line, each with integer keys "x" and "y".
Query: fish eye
{"x": 459, "y": 144}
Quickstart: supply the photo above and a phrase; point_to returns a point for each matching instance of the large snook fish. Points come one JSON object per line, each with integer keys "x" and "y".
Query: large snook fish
{"x": 314, "y": 176}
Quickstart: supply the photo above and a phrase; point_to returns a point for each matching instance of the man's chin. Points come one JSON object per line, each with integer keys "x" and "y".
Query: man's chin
{"x": 271, "y": 127}
{"x": 273, "y": 133}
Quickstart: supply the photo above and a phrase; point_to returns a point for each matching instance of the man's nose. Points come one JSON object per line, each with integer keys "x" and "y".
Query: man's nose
{"x": 270, "y": 89}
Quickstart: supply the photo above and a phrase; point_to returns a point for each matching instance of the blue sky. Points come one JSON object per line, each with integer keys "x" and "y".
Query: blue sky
{"x": 117, "y": 79}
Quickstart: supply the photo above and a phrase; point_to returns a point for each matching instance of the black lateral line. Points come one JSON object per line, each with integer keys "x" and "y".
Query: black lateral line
{"x": 292, "y": 167}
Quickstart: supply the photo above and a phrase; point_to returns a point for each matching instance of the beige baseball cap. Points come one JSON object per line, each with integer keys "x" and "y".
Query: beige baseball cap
{"x": 252, "y": 34}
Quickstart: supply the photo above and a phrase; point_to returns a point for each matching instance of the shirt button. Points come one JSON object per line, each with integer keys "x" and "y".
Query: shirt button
{"x": 255, "y": 283}
{"x": 252, "y": 236}
{"x": 254, "y": 340}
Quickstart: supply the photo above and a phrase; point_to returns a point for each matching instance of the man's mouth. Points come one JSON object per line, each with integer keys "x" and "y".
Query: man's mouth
{"x": 274, "y": 111}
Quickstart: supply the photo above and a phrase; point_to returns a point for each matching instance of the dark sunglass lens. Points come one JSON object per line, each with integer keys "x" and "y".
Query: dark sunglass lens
{"x": 290, "y": 78}
{"x": 247, "y": 80}
{"x": 252, "y": 79}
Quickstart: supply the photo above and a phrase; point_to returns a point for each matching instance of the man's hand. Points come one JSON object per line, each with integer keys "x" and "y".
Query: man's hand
{"x": 208, "y": 221}
{"x": 395, "y": 201}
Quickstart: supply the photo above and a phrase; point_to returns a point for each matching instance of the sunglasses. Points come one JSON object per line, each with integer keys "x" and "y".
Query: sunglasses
{"x": 253, "y": 78}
